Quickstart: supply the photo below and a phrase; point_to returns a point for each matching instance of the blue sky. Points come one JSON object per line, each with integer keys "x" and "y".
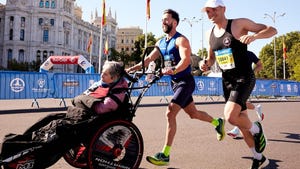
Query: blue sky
{"x": 132, "y": 13}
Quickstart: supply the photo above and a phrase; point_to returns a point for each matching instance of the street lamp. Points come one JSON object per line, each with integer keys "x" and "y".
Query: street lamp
{"x": 191, "y": 22}
{"x": 274, "y": 17}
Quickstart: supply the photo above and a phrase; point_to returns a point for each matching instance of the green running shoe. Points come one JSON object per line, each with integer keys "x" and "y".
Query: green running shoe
{"x": 158, "y": 159}
{"x": 259, "y": 139}
{"x": 220, "y": 129}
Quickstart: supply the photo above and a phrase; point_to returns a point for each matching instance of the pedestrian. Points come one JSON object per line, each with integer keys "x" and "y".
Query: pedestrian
{"x": 234, "y": 133}
{"x": 176, "y": 51}
{"x": 227, "y": 45}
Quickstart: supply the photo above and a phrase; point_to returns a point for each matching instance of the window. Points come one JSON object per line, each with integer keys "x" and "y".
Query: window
{"x": 41, "y": 3}
{"x": 53, "y": 5}
{"x": 45, "y": 55}
{"x": 47, "y": 4}
{"x": 11, "y": 21}
{"x": 67, "y": 36}
{"x": 21, "y": 55}
{"x": 51, "y": 53}
{"x": 23, "y": 22}
{"x": 40, "y": 21}
{"x": 22, "y": 34}
{"x": 9, "y": 54}
{"x": 52, "y": 22}
{"x": 11, "y": 34}
{"x": 46, "y": 35}
{"x": 38, "y": 55}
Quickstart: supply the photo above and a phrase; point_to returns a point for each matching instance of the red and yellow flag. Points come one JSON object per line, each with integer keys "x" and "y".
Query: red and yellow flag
{"x": 103, "y": 13}
{"x": 90, "y": 42}
{"x": 106, "y": 47}
{"x": 148, "y": 9}
{"x": 284, "y": 49}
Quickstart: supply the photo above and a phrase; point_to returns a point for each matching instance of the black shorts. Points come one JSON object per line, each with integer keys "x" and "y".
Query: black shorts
{"x": 238, "y": 89}
{"x": 183, "y": 89}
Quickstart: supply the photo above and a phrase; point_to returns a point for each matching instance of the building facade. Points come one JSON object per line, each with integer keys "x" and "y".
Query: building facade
{"x": 126, "y": 38}
{"x": 33, "y": 30}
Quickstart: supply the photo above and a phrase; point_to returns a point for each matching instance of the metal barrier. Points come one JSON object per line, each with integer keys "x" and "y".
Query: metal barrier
{"x": 34, "y": 85}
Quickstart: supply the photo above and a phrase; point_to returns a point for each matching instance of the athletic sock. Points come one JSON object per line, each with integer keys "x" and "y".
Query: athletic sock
{"x": 215, "y": 122}
{"x": 254, "y": 129}
{"x": 166, "y": 150}
{"x": 256, "y": 155}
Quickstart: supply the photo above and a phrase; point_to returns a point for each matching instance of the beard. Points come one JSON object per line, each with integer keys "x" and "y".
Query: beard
{"x": 167, "y": 28}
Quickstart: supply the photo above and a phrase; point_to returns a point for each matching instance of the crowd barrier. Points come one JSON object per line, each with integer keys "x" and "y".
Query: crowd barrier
{"x": 34, "y": 85}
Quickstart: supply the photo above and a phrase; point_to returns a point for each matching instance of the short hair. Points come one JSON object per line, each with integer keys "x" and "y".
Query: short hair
{"x": 115, "y": 69}
{"x": 173, "y": 13}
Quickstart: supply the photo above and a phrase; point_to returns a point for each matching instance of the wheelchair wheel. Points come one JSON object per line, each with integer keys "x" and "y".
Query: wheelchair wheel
{"x": 77, "y": 156}
{"x": 117, "y": 144}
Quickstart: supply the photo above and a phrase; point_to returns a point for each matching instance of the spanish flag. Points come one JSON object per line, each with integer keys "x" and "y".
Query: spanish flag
{"x": 284, "y": 49}
{"x": 90, "y": 42}
{"x": 106, "y": 47}
{"x": 103, "y": 13}
{"x": 148, "y": 9}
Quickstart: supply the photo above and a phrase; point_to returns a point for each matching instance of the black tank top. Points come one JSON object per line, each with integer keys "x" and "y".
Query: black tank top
{"x": 230, "y": 53}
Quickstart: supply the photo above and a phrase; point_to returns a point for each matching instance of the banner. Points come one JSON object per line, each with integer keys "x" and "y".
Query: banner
{"x": 103, "y": 13}
{"x": 148, "y": 9}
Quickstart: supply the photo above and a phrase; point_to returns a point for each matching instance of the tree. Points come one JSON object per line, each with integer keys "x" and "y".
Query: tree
{"x": 139, "y": 46}
{"x": 292, "y": 42}
{"x": 203, "y": 53}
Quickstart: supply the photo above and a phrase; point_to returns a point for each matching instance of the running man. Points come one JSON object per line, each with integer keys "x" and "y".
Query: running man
{"x": 227, "y": 45}
{"x": 177, "y": 54}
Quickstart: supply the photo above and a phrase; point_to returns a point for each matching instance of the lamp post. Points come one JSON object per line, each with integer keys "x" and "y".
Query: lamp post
{"x": 273, "y": 18}
{"x": 191, "y": 22}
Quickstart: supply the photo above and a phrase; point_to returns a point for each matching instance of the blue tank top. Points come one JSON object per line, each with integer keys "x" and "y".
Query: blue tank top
{"x": 171, "y": 55}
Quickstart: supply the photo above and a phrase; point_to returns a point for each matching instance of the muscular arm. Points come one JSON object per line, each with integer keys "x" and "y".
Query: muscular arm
{"x": 185, "y": 53}
{"x": 242, "y": 26}
{"x": 210, "y": 60}
{"x": 151, "y": 57}
{"x": 258, "y": 67}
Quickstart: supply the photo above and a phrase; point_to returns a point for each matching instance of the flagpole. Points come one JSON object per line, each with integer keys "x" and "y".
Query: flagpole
{"x": 91, "y": 49}
{"x": 100, "y": 49}
{"x": 283, "y": 68}
{"x": 146, "y": 33}
{"x": 284, "y": 55}
{"x": 107, "y": 48}
{"x": 147, "y": 18}
{"x": 103, "y": 22}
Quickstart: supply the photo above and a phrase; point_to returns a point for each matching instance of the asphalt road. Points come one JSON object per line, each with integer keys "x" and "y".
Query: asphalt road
{"x": 195, "y": 145}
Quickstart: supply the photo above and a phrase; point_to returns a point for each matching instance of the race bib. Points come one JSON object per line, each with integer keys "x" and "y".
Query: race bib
{"x": 169, "y": 60}
{"x": 225, "y": 59}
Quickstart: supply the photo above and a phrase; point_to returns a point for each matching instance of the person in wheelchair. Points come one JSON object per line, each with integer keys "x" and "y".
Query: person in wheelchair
{"x": 103, "y": 96}
{"x": 58, "y": 132}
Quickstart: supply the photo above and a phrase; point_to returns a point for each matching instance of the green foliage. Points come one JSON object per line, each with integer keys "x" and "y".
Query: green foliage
{"x": 23, "y": 66}
{"x": 292, "y": 64}
{"x": 202, "y": 54}
{"x": 139, "y": 46}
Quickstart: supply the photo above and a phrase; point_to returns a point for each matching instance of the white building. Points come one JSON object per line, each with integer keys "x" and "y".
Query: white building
{"x": 33, "y": 30}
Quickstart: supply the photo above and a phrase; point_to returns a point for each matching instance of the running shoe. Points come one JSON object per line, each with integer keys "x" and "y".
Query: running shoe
{"x": 259, "y": 113}
{"x": 234, "y": 133}
{"x": 220, "y": 129}
{"x": 158, "y": 159}
{"x": 259, "y": 139}
{"x": 257, "y": 164}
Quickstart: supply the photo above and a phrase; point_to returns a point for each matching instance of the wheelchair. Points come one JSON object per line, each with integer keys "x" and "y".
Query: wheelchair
{"x": 101, "y": 142}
